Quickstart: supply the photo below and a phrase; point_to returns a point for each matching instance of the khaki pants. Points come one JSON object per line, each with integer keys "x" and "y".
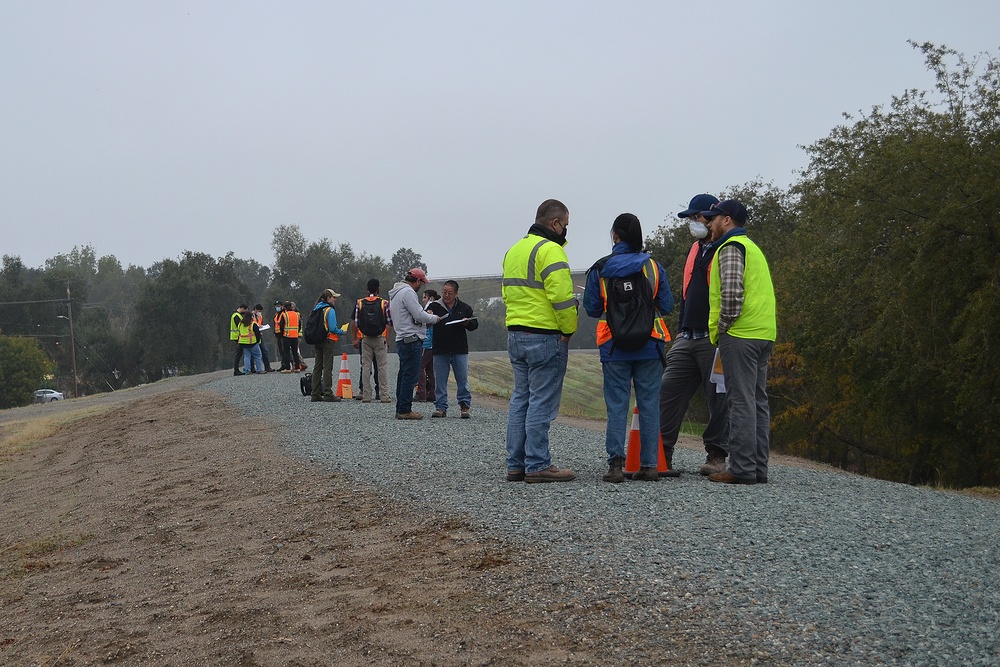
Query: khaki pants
{"x": 374, "y": 347}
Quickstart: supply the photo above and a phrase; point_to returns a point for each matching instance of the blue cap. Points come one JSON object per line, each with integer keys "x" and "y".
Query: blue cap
{"x": 698, "y": 204}
{"x": 731, "y": 207}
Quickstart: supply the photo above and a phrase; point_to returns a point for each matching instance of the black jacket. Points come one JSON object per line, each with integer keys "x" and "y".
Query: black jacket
{"x": 452, "y": 339}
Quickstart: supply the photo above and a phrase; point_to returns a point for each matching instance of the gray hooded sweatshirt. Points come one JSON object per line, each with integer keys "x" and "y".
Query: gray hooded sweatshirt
{"x": 408, "y": 317}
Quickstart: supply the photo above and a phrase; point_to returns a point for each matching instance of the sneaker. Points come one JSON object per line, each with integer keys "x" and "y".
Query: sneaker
{"x": 465, "y": 411}
{"x": 409, "y": 415}
{"x": 713, "y": 464}
{"x": 438, "y": 414}
{"x": 515, "y": 475}
{"x": 550, "y": 474}
{"x": 285, "y": 370}
{"x": 646, "y": 474}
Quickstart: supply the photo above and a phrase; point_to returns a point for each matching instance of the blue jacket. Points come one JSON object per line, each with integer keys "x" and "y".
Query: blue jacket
{"x": 624, "y": 262}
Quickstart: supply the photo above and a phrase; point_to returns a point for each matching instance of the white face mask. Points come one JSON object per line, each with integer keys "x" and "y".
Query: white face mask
{"x": 698, "y": 229}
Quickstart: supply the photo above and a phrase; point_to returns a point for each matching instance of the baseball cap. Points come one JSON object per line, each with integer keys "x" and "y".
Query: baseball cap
{"x": 418, "y": 273}
{"x": 698, "y": 204}
{"x": 731, "y": 207}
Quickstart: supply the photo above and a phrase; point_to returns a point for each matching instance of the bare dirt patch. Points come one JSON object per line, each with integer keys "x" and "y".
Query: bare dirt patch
{"x": 169, "y": 531}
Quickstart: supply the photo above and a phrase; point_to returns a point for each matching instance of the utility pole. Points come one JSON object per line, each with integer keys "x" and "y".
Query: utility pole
{"x": 72, "y": 342}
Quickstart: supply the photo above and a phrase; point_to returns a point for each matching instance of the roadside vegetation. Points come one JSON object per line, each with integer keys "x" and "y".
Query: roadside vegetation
{"x": 885, "y": 255}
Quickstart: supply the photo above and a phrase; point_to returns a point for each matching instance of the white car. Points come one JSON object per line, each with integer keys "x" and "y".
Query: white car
{"x": 48, "y": 395}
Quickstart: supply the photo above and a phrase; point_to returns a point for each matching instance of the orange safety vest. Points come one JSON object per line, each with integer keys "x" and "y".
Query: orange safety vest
{"x": 659, "y": 332}
{"x": 331, "y": 335}
{"x": 291, "y": 328}
{"x": 385, "y": 304}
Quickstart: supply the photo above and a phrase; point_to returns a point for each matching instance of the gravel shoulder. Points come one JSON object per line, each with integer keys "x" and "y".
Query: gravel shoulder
{"x": 229, "y": 521}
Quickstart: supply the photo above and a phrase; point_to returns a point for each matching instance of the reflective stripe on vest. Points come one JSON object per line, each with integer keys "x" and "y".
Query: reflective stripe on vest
{"x": 526, "y": 267}
{"x": 234, "y": 326}
{"x": 660, "y": 330}
{"x": 291, "y": 329}
{"x": 246, "y": 336}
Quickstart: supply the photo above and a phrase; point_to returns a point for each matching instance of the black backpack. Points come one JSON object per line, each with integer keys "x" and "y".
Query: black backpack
{"x": 315, "y": 331}
{"x": 371, "y": 317}
{"x": 630, "y": 310}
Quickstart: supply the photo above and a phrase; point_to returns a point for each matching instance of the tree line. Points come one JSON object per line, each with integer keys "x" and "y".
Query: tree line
{"x": 884, "y": 255}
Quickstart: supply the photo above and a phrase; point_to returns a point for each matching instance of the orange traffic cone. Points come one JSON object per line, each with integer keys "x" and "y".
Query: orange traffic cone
{"x": 634, "y": 448}
{"x": 344, "y": 380}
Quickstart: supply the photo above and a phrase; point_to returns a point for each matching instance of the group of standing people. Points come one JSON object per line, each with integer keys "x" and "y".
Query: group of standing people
{"x": 372, "y": 320}
{"x": 727, "y": 316}
{"x": 439, "y": 326}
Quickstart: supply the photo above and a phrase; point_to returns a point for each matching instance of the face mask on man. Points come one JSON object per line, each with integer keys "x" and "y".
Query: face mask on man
{"x": 698, "y": 229}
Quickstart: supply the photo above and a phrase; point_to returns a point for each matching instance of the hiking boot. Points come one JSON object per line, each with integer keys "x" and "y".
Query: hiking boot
{"x": 409, "y": 415}
{"x": 550, "y": 474}
{"x": 515, "y": 475}
{"x": 727, "y": 477}
{"x": 439, "y": 414}
{"x": 332, "y": 399}
{"x": 646, "y": 474}
{"x": 615, "y": 474}
{"x": 465, "y": 411}
{"x": 713, "y": 464}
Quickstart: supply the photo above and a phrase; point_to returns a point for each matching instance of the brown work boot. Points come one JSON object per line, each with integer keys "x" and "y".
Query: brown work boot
{"x": 726, "y": 477}
{"x": 550, "y": 474}
{"x": 515, "y": 475}
{"x": 713, "y": 464}
{"x": 646, "y": 474}
{"x": 615, "y": 474}
{"x": 439, "y": 414}
{"x": 409, "y": 415}
{"x": 465, "y": 411}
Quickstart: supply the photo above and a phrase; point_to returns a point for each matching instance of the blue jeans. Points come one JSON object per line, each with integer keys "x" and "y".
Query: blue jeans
{"x": 252, "y": 352}
{"x": 539, "y": 364}
{"x": 442, "y": 364}
{"x": 619, "y": 376}
{"x": 406, "y": 378}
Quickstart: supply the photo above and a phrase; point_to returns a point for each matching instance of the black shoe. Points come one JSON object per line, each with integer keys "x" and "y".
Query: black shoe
{"x": 646, "y": 475}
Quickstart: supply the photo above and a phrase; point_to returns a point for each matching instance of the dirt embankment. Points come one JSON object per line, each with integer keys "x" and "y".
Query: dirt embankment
{"x": 168, "y": 531}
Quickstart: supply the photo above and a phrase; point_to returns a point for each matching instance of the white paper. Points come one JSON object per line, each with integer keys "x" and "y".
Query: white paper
{"x": 717, "y": 377}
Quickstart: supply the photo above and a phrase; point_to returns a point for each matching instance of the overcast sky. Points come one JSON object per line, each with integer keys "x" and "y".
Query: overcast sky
{"x": 149, "y": 128}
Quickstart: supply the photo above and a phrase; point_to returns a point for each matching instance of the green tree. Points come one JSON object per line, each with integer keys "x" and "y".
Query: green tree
{"x": 23, "y": 367}
{"x": 182, "y": 318}
{"x": 402, "y": 261}
{"x": 891, "y": 282}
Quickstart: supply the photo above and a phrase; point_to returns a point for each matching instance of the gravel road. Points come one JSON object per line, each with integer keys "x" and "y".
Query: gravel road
{"x": 813, "y": 568}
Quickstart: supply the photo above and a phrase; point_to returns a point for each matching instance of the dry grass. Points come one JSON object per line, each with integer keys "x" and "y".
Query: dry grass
{"x": 20, "y": 435}
{"x": 582, "y": 388}
{"x": 23, "y": 558}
